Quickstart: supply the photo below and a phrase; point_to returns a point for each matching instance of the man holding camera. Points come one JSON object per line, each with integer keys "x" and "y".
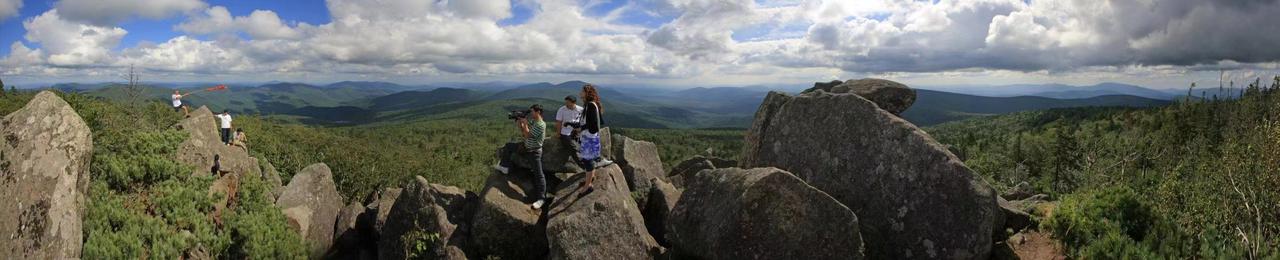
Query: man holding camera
{"x": 568, "y": 121}
{"x": 533, "y": 129}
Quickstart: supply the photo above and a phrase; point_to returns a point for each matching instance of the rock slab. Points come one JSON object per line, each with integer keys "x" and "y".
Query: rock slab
{"x": 762, "y": 213}
{"x": 604, "y": 224}
{"x": 44, "y": 175}
{"x": 311, "y": 203}
{"x": 427, "y": 213}
{"x": 888, "y": 95}
{"x": 204, "y": 142}
{"x": 641, "y": 165}
{"x": 504, "y": 226}
{"x": 913, "y": 198}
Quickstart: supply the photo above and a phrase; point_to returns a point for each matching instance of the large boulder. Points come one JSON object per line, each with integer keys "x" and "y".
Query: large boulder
{"x": 640, "y": 165}
{"x": 44, "y": 174}
{"x": 888, "y": 95}
{"x": 427, "y": 213}
{"x": 223, "y": 191}
{"x": 662, "y": 199}
{"x": 377, "y": 211}
{"x": 504, "y": 226}
{"x": 604, "y": 224}
{"x": 204, "y": 141}
{"x": 311, "y": 204}
{"x": 1013, "y": 219}
{"x": 348, "y": 238}
{"x": 913, "y": 198}
{"x": 694, "y": 165}
{"x": 272, "y": 177}
{"x": 762, "y": 213}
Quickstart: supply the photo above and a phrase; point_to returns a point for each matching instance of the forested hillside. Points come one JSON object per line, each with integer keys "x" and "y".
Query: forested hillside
{"x": 1193, "y": 180}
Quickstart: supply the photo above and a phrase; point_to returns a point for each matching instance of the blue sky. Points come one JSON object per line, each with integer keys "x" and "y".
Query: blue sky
{"x": 658, "y": 42}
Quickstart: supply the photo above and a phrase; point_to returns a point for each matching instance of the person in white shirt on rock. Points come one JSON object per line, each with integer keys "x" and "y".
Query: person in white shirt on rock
{"x": 225, "y": 119}
{"x": 177, "y": 103}
{"x": 568, "y": 123}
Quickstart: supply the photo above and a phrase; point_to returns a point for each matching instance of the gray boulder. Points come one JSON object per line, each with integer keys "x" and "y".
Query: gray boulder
{"x": 378, "y": 209}
{"x": 762, "y": 213}
{"x": 44, "y": 174}
{"x": 504, "y": 225}
{"x": 272, "y": 177}
{"x": 347, "y": 236}
{"x": 604, "y": 224}
{"x": 641, "y": 165}
{"x": 1013, "y": 219}
{"x": 662, "y": 198}
{"x": 311, "y": 204}
{"x": 913, "y": 198}
{"x": 427, "y": 213}
{"x": 694, "y": 165}
{"x": 888, "y": 95}
{"x": 1021, "y": 191}
{"x": 223, "y": 190}
{"x": 204, "y": 141}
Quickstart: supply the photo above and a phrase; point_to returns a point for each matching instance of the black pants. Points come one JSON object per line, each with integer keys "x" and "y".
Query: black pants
{"x": 516, "y": 151}
{"x": 571, "y": 146}
{"x": 226, "y": 135}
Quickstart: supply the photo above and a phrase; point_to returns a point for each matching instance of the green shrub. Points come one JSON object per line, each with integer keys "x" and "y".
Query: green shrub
{"x": 1083, "y": 218}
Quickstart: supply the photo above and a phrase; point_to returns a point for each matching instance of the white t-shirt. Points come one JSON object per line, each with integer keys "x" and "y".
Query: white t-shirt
{"x": 226, "y": 120}
{"x": 177, "y": 100}
{"x": 566, "y": 115}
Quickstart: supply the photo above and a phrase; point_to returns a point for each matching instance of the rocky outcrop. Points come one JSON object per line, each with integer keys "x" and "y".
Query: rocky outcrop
{"x": 44, "y": 174}
{"x": 763, "y": 213}
{"x": 223, "y": 191}
{"x": 604, "y": 224}
{"x": 662, "y": 198}
{"x": 913, "y": 198}
{"x": 1013, "y": 219}
{"x": 378, "y": 209}
{"x": 427, "y": 213}
{"x": 272, "y": 177}
{"x": 347, "y": 237}
{"x": 311, "y": 204}
{"x": 888, "y": 95}
{"x": 640, "y": 165}
{"x": 694, "y": 165}
{"x": 204, "y": 142}
{"x": 504, "y": 226}
{"x": 1021, "y": 191}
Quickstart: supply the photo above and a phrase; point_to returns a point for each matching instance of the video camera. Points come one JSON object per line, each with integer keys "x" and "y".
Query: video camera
{"x": 518, "y": 114}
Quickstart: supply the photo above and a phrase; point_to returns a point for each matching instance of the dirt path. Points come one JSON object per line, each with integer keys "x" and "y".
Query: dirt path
{"x": 1034, "y": 244}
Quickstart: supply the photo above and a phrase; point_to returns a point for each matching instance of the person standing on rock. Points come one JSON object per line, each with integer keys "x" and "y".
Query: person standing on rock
{"x": 568, "y": 121}
{"x": 533, "y": 129}
{"x": 225, "y": 119}
{"x": 589, "y": 154}
{"x": 177, "y": 103}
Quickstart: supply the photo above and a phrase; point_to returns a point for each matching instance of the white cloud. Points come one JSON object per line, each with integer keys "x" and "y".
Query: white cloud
{"x": 786, "y": 39}
{"x": 9, "y": 8}
{"x": 70, "y": 43}
{"x": 261, "y": 24}
{"x": 111, "y": 12}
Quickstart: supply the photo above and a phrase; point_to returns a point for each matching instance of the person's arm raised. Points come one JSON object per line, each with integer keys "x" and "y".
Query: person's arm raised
{"x": 524, "y": 127}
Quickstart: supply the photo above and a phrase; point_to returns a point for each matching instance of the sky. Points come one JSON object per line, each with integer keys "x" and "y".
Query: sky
{"x": 1153, "y": 43}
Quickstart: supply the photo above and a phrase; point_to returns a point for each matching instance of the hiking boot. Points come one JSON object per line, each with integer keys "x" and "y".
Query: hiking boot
{"x": 538, "y": 204}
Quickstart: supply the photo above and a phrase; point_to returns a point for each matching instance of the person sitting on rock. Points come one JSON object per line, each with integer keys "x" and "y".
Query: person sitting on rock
{"x": 177, "y": 103}
{"x": 225, "y": 119}
{"x": 240, "y": 139}
{"x": 568, "y": 122}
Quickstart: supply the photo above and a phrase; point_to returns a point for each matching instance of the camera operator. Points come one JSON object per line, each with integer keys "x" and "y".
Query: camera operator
{"x": 532, "y": 131}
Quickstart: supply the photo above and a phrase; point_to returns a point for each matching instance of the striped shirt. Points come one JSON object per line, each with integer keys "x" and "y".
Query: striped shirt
{"x": 537, "y": 129}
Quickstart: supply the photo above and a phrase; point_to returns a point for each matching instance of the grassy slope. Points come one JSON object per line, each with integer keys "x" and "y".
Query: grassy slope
{"x": 1190, "y": 180}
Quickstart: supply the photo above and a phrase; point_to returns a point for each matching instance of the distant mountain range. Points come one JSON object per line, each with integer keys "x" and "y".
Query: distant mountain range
{"x": 358, "y": 102}
{"x": 936, "y": 107}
